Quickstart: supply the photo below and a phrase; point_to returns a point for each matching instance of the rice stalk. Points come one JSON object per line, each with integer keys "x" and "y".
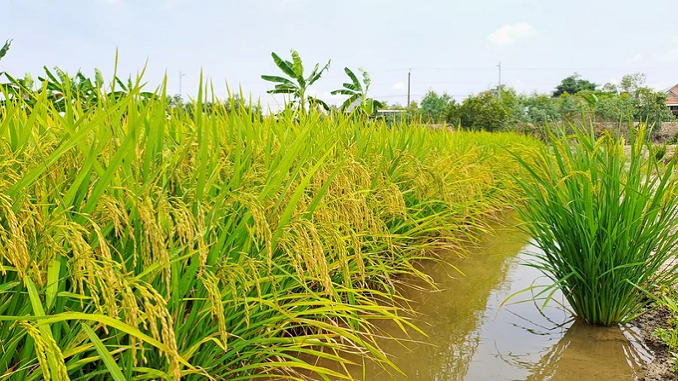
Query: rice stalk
{"x": 165, "y": 244}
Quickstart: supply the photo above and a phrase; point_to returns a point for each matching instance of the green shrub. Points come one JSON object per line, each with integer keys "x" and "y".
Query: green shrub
{"x": 603, "y": 220}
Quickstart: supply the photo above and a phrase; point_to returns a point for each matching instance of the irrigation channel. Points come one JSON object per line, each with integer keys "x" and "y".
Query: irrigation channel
{"x": 471, "y": 338}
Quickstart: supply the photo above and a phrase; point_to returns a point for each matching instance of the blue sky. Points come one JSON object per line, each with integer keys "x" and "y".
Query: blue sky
{"x": 451, "y": 46}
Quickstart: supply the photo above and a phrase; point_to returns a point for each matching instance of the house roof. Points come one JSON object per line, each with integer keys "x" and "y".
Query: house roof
{"x": 672, "y": 95}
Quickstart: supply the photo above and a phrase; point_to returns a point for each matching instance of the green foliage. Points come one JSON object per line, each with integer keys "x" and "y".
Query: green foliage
{"x": 411, "y": 114}
{"x": 659, "y": 151}
{"x": 632, "y": 83}
{"x": 434, "y": 106}
{"x": 139, "y": 241}
{"x": 611, "y": 107}
{"x": 669, "y": 337}
{"x": 295, "y": 83}
{"x": 628, "y": 102}
{"x": 538, "y": 109}
{"x": 235, "y": 103}
{"x": 5, "y": 48}
{"x": 17, "y": 87}
{"x": 569, "y": 107}
{"x": 575, "y": 101}
{"x": 510, "y": 101}
{"x": 572, "y": 85}
{"x": 357, "y": 94}
{"x": 480, "y": 112}
{"x": 668, "y": 299}
{"x": 604, "y": 221}
{"x": 60, "y": 88}
{"x": 652, "y": 107}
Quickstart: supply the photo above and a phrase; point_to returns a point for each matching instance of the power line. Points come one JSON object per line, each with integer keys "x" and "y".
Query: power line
{"x": 525, "y": 68}
{"x": 418, "y": 95}
{"x": 369, "y": 71}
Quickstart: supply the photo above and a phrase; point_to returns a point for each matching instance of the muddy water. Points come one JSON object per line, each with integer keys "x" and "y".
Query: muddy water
{"x": 471, "y": 338}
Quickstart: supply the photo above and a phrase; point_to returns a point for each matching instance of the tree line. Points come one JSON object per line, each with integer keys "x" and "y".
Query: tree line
{"x": 574, "y": 99}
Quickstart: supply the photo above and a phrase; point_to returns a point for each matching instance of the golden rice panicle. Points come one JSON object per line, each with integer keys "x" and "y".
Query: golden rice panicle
{"x": 12, "y": 240}
{"x": 213, "y": 288}
{"x": 206, "y": 241}
{"x": 46, "y": 348}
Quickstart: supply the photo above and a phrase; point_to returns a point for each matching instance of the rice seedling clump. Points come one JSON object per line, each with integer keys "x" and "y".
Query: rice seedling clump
{"x": 605, "y": 220}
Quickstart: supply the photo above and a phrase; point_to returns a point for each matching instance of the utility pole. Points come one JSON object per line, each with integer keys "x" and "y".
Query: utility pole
{"x": 499, "y": 85}
{"x": 409, "y": 76}
{"x": 180, "y": 75}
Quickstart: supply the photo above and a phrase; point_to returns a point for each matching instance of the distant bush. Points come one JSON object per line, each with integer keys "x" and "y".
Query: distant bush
{"x": 480, "y": 112}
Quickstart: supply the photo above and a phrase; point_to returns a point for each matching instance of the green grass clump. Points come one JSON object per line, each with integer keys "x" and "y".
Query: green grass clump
{"x": 604, "y": 220}
{"x": 668, "y": 299}
{"x": 139, "y": 241}
{"x": 659, "y": 151}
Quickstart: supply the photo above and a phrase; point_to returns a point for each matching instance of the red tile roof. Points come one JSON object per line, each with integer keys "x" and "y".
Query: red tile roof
{"x": 672, "y": 96}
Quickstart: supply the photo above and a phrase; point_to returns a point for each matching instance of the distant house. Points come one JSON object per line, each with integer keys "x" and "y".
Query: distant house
{"x": 672, "y": 99}
{"x": 393, "y": 113}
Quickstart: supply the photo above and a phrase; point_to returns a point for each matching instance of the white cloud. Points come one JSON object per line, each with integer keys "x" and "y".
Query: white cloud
{"x": 511, "y": 33}
{"x": 636, "y": 58}
{"x": 398, "y": 86}
{"x": 669, "y": 56}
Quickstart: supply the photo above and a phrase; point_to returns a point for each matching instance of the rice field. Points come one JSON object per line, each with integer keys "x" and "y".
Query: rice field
{"x": 139, "y": 241}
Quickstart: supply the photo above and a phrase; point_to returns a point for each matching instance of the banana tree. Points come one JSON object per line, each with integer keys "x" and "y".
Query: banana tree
{"x": 60, "y": 85}
{"x": 86, "y": 90}
{"x": 5, "y": 48}
{"x": 18, "y": 87}
{"x": 295, "y": 83}
{"x": 357, "y": 94}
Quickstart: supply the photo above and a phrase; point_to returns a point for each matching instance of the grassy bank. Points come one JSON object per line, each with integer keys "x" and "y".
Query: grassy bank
{"x": 141, "y": 241}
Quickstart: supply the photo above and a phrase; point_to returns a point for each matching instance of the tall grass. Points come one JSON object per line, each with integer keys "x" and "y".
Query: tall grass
{"x": 605, "y": 221}
{"x": 140, "y": 242}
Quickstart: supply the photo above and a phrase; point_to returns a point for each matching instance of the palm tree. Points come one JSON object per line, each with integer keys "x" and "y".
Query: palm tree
{"x": 296, "y": 84}
{"x": 357, "y": 94}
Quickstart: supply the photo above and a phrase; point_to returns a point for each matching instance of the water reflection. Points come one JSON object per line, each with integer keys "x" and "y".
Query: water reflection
{"x": 471, "y": 338}
{"x": 527, "y": 341}
{"x": 590, "y": 353}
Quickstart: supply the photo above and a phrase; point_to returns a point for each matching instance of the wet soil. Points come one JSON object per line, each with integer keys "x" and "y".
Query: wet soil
{"x": 661, "y": 367}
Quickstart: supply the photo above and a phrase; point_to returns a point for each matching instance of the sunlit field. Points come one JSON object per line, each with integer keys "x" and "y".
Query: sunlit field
{"x": 143, "y": 241}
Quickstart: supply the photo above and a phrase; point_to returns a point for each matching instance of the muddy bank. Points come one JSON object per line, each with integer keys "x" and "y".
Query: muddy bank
{"x": 660, "y": 368}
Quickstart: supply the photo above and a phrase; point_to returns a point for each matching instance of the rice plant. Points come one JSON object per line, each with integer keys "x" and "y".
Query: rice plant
{"x": 604, "y": 220}
{"x": 142, "y": 241}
